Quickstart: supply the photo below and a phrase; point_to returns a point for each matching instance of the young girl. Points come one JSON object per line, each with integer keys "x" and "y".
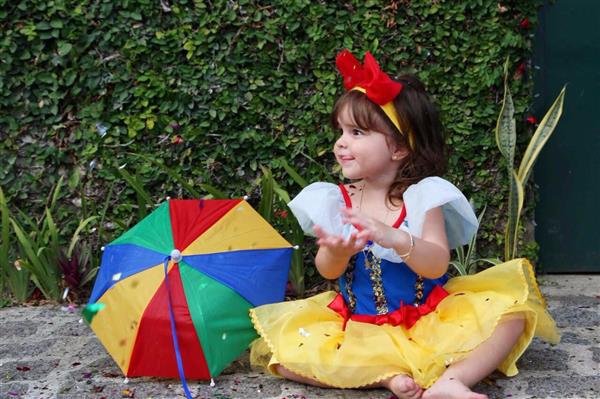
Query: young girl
{"x": 397, "y": 322}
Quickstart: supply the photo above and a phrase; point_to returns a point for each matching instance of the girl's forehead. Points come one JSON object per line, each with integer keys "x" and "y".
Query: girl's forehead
{"x": 346, "y": 116}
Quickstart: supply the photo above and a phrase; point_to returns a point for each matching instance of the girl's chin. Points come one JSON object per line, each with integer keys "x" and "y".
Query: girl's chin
{"x": 350, "y": 175}
{"x": 350, "y": 171}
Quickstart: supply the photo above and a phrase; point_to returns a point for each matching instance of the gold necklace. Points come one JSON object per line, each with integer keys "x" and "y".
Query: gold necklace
{"x": 362, "y": 195}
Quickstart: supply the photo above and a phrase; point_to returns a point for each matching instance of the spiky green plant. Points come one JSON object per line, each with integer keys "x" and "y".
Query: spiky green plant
{"x": 40, "y": 244}
{"x": 506, "y": 138}
{"x": 272, "y": 196}
{"x": 466, "y": 262}
{"x": 15, "y": 281}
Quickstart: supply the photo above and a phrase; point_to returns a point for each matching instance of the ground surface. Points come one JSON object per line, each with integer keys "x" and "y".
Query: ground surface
{"x": 46, "y": 353}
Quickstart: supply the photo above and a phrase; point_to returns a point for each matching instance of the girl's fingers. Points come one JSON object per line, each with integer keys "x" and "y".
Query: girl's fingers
{"x": 324, "y": 238}
{"x": 354, "y": 243}
{"x": 365, "y": 235}
{"x": 319, "y": 231}
{"x": 359, "y": 244}
{"x": 331, "y": 241}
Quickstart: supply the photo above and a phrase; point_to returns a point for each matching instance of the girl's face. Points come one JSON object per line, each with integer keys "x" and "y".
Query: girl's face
{"x": 365, "y": 154}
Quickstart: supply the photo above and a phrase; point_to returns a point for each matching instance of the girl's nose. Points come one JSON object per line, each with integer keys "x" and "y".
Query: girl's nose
{"x": 340, "y": 143}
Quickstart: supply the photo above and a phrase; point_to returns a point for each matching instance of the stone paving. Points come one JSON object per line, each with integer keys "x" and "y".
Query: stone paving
{"x": 45, "y": 352}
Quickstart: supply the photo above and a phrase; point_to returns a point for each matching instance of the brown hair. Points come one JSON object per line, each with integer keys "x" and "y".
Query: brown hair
{"x": 418, "y": 117}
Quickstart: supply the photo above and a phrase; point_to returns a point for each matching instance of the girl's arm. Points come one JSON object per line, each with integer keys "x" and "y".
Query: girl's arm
{"x": 430, "y": 255}
{"x": 335, "y": 252}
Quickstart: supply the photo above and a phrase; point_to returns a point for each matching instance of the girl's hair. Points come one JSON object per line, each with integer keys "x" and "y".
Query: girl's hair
{"x": 417, "y": 115}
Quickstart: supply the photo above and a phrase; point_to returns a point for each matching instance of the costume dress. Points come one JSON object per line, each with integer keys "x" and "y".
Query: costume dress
{"x": 386, "y": 320}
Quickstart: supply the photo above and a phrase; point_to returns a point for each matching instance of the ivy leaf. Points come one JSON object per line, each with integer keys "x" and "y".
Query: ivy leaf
{"x": 43, "y": 25}
{"x": 56, "y": 23}
{"x": 69, "y": 77}
{"x": 64, "y": 48}
{"x": 45, "y": 77}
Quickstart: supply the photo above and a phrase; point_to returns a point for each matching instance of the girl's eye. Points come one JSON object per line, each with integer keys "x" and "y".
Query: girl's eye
{"x": 357, "y": 132}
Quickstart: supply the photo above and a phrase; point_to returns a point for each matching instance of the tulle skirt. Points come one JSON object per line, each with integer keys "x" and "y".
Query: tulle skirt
{"x": 307, "y": 337}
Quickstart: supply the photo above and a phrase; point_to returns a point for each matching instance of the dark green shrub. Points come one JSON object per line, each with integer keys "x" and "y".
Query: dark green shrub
{"x": 215, "y": 89}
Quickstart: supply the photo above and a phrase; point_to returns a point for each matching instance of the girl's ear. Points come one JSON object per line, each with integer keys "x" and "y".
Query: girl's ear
{"x": 399, "y": 153}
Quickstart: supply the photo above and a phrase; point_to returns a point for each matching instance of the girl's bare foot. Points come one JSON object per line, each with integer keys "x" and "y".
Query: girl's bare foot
{"x": 404, "y": 387}
{"x": 451, "y": 388}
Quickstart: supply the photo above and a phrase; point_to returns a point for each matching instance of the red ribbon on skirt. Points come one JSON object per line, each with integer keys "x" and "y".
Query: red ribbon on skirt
{"x": 405, "y": 314}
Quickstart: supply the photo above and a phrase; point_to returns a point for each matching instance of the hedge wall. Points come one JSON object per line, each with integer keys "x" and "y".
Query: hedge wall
{"x": 215, "y": 89}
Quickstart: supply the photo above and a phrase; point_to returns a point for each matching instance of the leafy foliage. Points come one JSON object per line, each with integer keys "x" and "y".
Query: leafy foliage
{"x": 42, "y": 254}
{"x": 210, "y": 91}
{"x": 14, "y": 280}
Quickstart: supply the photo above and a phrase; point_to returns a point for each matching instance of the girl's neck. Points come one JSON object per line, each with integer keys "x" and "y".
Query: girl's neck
{"x": 378, "y": 188}
{"x": 374, "y": 201}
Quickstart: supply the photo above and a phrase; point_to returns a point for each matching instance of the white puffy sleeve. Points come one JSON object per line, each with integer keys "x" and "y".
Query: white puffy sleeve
{"x": 319, "y": 203}
{"x": 432, "y": 192}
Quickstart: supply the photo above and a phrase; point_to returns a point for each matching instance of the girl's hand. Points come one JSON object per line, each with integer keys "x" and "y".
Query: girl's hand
{"x": 372, "y": 229}
{"x": 338, "y": 245}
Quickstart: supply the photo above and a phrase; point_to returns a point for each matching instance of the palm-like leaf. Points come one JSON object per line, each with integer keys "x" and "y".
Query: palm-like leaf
{"x": 506, "y": 136}
{"x": 515, "y": 206}
{"x": 540, "y": 137}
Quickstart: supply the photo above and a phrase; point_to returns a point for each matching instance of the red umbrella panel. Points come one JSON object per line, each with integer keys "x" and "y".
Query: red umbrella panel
{"x": 177, "y": 287}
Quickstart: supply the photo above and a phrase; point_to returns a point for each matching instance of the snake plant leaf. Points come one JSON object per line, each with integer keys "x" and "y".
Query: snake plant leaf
{"x": 515, "y": 206}
{"x": 540, "y": 137}
{"x": 491, "y": 261}
{"x": 473, "y": 243}
{"x": 459, "y": 267}
{"x": 506, "y": 133}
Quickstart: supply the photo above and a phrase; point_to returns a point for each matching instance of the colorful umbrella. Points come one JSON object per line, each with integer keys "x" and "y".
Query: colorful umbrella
{"x": 176, "y": 288}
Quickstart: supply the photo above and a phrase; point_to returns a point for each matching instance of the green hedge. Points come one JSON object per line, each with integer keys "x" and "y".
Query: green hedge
{"x": 214, "y": 89}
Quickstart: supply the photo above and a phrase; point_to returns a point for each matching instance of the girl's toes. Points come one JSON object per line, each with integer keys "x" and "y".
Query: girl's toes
{"x": 405, "y": 387}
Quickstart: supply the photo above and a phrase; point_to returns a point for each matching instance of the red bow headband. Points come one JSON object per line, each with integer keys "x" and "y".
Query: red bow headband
{"x": 372, "y": 81}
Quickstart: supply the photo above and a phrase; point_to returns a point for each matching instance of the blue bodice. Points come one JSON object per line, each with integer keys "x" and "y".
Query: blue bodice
{"x": 398, "y": 282}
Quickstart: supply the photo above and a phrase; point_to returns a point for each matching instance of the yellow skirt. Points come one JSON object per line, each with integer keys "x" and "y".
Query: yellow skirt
{"x": 306, "y": 337}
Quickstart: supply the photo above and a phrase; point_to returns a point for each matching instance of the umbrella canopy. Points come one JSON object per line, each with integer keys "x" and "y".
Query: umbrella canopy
{"x": 177, "y": 287}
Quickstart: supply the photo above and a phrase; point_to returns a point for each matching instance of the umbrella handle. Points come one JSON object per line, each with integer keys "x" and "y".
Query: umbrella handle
{"x": 174, "y": 334}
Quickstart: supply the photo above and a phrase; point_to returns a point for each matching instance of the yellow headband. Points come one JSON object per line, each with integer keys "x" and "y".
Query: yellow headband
{"x": 390, "y": 111}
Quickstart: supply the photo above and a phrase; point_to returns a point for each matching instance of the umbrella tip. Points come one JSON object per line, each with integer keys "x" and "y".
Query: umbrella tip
{"x": 176, "y": 256}
{"x": 296, "y": 247}
{"x": 102, "y": 248}
{"x": 246, "y": 198}
{"x": 167, "y": 198}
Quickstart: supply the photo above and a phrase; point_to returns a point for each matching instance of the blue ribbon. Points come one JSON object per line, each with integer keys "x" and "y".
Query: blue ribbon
{"x": 174, "y": 334}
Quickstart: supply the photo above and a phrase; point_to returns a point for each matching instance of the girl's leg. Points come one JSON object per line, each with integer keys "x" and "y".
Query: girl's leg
{"x": 290, "y": 375}
{"x": 457, "y": 379}
{"x": 402, "y": 386}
